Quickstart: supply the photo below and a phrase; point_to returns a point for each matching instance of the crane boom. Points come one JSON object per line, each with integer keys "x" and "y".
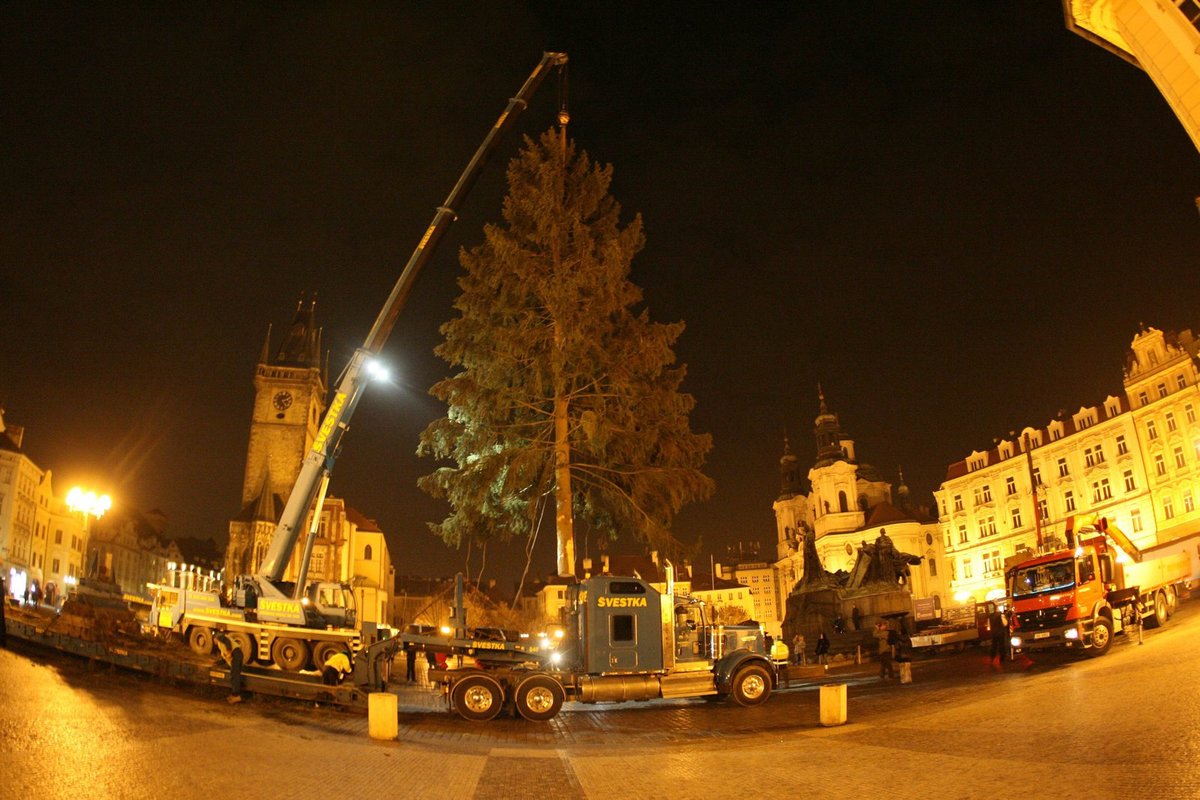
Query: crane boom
{"x": 319, "y": 460}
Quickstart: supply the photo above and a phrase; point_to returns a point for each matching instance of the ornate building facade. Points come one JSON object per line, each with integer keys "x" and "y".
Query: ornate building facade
{"x": 290, "y": 390}
{"x": 1133, "y": 459}
{"x": 846, "y": 503}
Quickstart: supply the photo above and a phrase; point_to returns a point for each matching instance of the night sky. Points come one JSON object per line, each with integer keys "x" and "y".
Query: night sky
{"x": 951, "y": 215}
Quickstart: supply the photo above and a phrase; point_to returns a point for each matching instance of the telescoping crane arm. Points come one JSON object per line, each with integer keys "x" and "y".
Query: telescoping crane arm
{"x": 319, "y": 460}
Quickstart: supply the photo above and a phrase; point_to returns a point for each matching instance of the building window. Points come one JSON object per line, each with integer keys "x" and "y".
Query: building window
{"x": 1160, "y": 466}
{"x": 1037, "y": 476}
{"x": 1190, "y": 411}
{"x": 1179, "y": 460}
{"x": 1101, "y": 490}
{"x": 1188, "y": 504}
{"x": 367, "y": 553}
{"x": 962, "y": 534}
{"x": 967, "y": 573}
{"x": 1055, "y": 435}
{"x": 1162, "y": 389}
{"x": 58, "y": 539}
{"x": 1063, "y": 471}
{"x": 1010, "y": 485}
{"x": 1135, "y": 520}
{"x": 991, "y": 561}
{"x": 54, "y": 568}
{"x": 1130, "y": 483}
{"x": 958, "y": 506}
{"x": 1143, "y": 398}
{"x": 1151, "y": 429}
{"x": 1171, "y": 426}
{"x": 1069, "y": 500}
{"x": 1122, "y": 446}
{"x": 1180, "y": 382}
{"x": 1016, "y": 518}
{"x": 932, "y": 568}
{"x": 1093, "y": 456}
{"x": 1043, "y": 508}
{"x": 987, "y": 527}
{"x": 1168, "y": 508}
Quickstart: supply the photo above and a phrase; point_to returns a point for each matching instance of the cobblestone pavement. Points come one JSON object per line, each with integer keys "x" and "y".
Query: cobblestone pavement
{"x": 1125, "y": 725}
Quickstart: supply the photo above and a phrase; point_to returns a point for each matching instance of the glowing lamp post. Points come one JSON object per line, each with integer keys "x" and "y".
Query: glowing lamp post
{"x": 90, "y": 505}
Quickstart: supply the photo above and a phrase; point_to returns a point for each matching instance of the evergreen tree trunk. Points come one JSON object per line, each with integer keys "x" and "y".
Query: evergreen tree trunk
{"x": 564, "y": 519}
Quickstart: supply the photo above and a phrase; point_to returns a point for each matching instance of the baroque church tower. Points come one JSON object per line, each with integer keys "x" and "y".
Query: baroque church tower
{"x": 289, "y": 399}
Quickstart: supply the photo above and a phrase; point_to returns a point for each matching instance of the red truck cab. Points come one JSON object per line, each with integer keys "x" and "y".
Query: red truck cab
{"x": 1064, "y": 599}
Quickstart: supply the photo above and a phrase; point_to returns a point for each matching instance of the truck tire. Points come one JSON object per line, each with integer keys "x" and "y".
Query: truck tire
{"x": 1159, "y": 617}
{"x": 200, "y": 639}
{"x": 539, "y": 698}
{"x": 1101, "y": 636}
{"x": 477, "y": 698}
{"x": 1172, "y": 601}
{"x": 291, "y": 655}
{"x": 245, "y": 643}
{"x": 751, "y": 685}
{"x": 321, "y": 651}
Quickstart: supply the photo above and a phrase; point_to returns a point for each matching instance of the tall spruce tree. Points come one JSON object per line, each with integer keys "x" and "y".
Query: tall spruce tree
{"x": 567, "y": 390}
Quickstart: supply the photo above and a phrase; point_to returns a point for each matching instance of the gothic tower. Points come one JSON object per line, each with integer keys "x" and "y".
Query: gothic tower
{"x": 289, "y": 399}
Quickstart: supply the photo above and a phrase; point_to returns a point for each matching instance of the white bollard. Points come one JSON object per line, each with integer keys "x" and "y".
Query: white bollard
{"x": 383, "y": 718}
{"x": 833, "y": 704}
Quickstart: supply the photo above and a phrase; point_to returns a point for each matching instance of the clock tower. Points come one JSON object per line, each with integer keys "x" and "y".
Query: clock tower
{"x": 289, "y": 399}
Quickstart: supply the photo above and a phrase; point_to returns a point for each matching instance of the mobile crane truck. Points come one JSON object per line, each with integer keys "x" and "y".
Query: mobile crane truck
{"x": 292, "y": 624}
{"x": 624, "y": 641}
{"x": 1080, "y": 596}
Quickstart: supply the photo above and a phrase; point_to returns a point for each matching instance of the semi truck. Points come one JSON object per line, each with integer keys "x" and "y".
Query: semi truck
{"x": 624, "y": 640}
{"x": 292, "y": 623}
{"x": 1082, "y": 595}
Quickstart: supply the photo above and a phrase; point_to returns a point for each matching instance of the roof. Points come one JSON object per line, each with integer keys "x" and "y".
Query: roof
{"x": 361, "y": 522}
{"x": 705, "y": 582}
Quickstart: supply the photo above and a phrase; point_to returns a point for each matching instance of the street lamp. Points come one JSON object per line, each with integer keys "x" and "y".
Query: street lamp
{"x": 90, "y": 505}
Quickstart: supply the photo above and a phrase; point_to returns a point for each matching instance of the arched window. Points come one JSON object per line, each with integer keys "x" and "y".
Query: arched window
{"x": 367, "y": 553}
{"x": 842, "y": 504}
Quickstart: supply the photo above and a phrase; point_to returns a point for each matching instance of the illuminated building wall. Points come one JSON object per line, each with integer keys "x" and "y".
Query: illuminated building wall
{"x": 1160, "y": 36}
{"x": 1134, "y": 459}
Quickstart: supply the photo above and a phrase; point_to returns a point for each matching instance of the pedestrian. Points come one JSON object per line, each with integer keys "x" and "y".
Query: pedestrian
{"x": 1136, "y": 612}
{"x": 234, "y": 658}
{"x": 855, "y": 617}
{"x": 798, "y": 645}
{"x": 768, "y": 643}
{"x": 823, "y": 649}
{"x": 998, "y": 623}
{"x": 410, "y": 662}
{"x": 839, "y": 624}
{"x": 887, "y": 641}
{"x": 336, "y": 668}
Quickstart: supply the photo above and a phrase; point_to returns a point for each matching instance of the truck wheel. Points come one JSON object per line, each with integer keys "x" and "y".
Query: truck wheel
{"x": 290, "y": 654}
{"x": 751, "y": 685}
{"x": 200, "y": 639}
{"x": 539, "y": 698}
{"x": 1101, "y": 636}
{"x": 1159, "y": 617}
{"x": 243, "y": 642}
{"x": 322, "y": 651}
{"x": 477, "y": 698}
{"x": 1172, "y": 601}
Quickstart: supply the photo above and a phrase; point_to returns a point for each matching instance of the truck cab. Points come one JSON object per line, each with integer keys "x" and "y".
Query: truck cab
{"x": 1062, "y": 599}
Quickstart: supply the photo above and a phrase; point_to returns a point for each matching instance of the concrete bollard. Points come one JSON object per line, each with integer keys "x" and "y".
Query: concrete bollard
{"x": 833, "y": 704}
{"x": 383, "y": 718}
{"x": 906, "y": 672}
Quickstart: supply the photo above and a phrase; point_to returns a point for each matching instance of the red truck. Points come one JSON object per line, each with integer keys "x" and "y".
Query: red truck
{"x": 1080, "y": 596}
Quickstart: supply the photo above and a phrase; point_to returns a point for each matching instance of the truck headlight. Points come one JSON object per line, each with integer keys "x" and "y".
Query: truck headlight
{"x": 556, "y": 658}
{"x": 1015, "y": 641}
{"x": 1072, "y": 633}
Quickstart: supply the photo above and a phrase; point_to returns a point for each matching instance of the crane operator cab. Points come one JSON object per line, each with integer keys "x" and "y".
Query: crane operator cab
{"x": 333, "y": 602}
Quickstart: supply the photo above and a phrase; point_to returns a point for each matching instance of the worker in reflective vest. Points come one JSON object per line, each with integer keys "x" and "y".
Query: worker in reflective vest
{"x": 336, "y": 668}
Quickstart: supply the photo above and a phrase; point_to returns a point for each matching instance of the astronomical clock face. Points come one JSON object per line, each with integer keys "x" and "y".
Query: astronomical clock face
{"x": 283, "y": 401}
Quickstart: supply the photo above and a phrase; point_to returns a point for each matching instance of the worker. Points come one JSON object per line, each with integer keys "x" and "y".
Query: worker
{"x": 234, "y": 658}
{"x": 336, "y": 668}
